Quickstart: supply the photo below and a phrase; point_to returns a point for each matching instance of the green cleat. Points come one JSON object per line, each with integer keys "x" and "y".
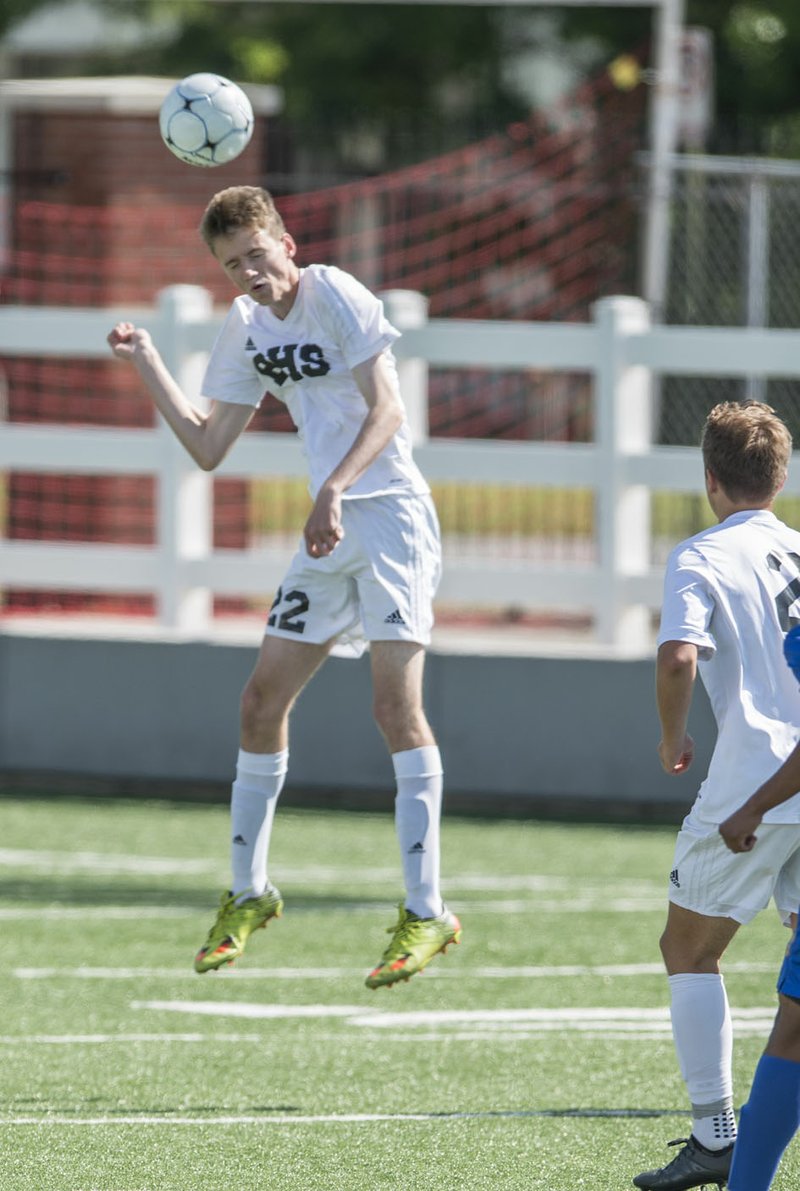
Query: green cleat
{"x": 233, "y": 926}
{"x": 415, "y": 941}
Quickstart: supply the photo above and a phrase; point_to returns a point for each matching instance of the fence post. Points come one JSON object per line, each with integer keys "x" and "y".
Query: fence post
{"x": 407, "y": 309}
{"x": 185, "y": 493}
{"x": 623, "y": 415}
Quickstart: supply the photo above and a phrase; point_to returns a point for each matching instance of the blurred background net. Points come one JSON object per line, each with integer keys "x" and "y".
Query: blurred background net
{"x": 535, "y": 222}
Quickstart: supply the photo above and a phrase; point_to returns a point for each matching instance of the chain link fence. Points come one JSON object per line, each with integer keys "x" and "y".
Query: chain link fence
{"x": 734, "y": 261}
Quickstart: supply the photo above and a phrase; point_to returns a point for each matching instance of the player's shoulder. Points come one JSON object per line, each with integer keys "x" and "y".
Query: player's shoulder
{"x": 785, "y": 531}
{"x": 694, "y": 548}
{"x": 329, "y": 275}
{"x": 744, "y": 535}
{"x": 335, "y": 285}
{"x": 236, "y": 325}
{"x": 242, "y": 310}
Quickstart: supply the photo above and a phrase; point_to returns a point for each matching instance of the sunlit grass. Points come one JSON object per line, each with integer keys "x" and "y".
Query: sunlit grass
{"x": 123, "y": 1071}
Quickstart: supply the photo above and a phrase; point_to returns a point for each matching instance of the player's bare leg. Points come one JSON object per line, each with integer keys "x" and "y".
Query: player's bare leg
{"x": 397, "y": 674}
{"x": 694, "y": 942}
{"x": 784, "y": 1041}
{"x": 692, "y": 945}
{"x": 281, "y": 671}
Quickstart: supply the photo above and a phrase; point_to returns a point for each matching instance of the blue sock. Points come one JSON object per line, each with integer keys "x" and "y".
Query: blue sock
{"x": 768, "y": 1123}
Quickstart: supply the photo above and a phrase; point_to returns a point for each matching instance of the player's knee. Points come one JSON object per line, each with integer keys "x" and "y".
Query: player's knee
{"x": 402, "y": 726}
{"x": 784, "y": 1040}
{"x": 259, "y": 706}
{"x": 683, "y": 954}
{"x": 677, "y": 956}
{"x": 387, "y": 711}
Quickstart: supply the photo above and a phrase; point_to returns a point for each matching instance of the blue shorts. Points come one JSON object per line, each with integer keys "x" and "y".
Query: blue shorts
{"x": 789, "y": 978}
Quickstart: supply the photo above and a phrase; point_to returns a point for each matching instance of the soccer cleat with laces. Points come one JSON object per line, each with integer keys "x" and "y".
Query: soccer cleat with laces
{"x": 415, "y": 941}
{"x": 233, "y": 926}
{"x": 694, "y": 1166}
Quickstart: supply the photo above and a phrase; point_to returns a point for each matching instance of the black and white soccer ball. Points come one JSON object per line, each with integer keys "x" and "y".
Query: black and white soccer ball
{"x": 206, "y": 120}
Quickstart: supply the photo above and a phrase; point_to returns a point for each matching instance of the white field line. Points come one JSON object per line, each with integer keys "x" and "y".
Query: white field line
{"x": 585, "y": 1020}
{"x": 511, "y": 1034}
{"x": 244, "y": 1009}
{"x": 350, "y": 1118}
{"x": 55, "y": 861}
{"x": 475, "y": 882}
{"x": 56, "y": 913}
{"x": 587, "y": 903}
{"x": 125, "y": 1039}
{"x": 582, "y": 1016}
{"x": 520, "y": 972}
{"x": 102, "y": 862}
{"x": 582, "y": 905}
{"x": 496, "y": 1025}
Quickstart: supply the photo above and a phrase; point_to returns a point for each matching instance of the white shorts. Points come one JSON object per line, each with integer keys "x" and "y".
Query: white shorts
{"x": 377, "y": 585}
{"x": 710, "y": 879}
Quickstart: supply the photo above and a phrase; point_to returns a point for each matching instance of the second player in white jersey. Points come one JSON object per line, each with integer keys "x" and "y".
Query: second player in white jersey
{"x": 733, "y": 591}
{"x": 730, "y": 595}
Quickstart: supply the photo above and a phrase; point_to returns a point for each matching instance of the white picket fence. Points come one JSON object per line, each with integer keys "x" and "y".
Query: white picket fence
{"x": 619, "y": 348}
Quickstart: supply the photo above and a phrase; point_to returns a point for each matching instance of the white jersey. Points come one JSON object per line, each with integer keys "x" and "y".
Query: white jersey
{"x": 734, "y": 591}
{"x": 305, "y": 360}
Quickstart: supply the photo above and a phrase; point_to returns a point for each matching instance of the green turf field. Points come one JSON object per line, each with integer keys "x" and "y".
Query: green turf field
{"x": 536, "y": 1055}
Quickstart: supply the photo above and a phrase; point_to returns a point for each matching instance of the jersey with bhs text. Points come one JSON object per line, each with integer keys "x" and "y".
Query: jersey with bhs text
{"x": 734, "y": 591}
{"x": 305, "y": 361}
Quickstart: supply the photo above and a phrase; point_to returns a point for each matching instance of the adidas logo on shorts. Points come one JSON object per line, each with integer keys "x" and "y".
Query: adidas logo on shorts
{"x": 673, "y": 876}
{"x": 394, "y": 618}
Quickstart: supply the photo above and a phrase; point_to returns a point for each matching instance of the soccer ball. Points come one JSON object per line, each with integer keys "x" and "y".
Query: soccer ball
{"x": 206, "y": 120}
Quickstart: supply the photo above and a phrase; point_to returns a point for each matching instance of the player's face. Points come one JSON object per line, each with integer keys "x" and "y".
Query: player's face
{"x": 260, "y": 265}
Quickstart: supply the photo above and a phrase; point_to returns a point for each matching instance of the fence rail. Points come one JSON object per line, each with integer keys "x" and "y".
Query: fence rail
{"x": 184, "y": 572}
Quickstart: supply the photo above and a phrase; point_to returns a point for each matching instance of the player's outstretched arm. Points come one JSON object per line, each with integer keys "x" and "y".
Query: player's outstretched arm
{"x": 206, "y": 436}
{"x": 676, "y": 670}
{"x": 739, "y": 830}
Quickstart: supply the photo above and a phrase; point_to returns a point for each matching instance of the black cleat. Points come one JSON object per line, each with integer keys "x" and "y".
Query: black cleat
{"x": 695, "y": 1166}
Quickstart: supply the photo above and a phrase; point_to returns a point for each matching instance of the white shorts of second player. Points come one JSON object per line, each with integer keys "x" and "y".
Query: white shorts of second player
{"x": 710, "y": 879}
{"x": 377, "y": 585}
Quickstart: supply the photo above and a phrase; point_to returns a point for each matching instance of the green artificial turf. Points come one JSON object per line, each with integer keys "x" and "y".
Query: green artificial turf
{"x": 124, "y": 1071}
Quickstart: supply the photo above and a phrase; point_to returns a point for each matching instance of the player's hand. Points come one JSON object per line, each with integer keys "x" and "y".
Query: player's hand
{"x": 676, "y": 758}
{"x": 125, "y": 339}
{"x": 739, "y": 829}
{"x": 323, "y": 531}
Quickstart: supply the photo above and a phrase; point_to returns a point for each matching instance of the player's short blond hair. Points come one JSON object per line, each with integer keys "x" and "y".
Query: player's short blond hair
{"x": 240, "y": 207}
{"x": 747, "y": 448}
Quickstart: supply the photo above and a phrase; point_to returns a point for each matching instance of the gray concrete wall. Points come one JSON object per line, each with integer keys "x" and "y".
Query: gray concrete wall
{"x": 552, "y": 735}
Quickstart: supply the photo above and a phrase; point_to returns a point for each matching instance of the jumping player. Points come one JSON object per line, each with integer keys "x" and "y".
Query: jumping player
{"x": 728, "y": 597}
{"x": 368, "y": 566}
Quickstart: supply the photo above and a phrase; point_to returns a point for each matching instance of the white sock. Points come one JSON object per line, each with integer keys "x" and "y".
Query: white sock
{"x": 417, "y": 810}
{"x": 259, "y": 781}
{"x": 703, "y": 1034}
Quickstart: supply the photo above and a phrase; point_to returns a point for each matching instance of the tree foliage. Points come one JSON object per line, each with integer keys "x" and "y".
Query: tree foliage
{"x": 756, "y": 52}
{"x": 334, "y": 60}
{"x": 12, "y": 11}
{"x": 348, "y": 63}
